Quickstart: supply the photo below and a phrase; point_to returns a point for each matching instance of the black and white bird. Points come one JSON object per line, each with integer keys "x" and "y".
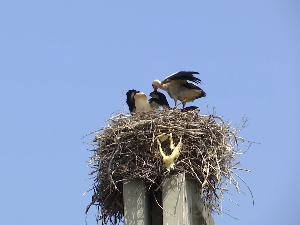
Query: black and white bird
{"x": 178, "y": 88}
{"x": 159, "y": 99}
{"x": 138, "y": 102}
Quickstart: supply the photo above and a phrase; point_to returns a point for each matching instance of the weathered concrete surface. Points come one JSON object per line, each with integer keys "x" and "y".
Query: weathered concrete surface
{"x": 136, "y": 203}
{"x": 182, "y": 203}
{"x": 175, "y": 199}
{"x": 200, "y": 212}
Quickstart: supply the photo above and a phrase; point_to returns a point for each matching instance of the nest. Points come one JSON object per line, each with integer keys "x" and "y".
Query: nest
{"x": 127, "y": 149}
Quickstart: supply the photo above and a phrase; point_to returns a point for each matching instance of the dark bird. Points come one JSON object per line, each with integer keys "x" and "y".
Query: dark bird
{"x": 130, "y": 99}
{"x": 158, "y": 99}
{"x": 137, "y": 101}
{"x": 191, "y": 108}
{"x": 178, "y": 88}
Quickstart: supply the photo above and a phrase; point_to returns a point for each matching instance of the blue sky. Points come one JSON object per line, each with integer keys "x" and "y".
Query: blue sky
{"x": 65, "y": 66}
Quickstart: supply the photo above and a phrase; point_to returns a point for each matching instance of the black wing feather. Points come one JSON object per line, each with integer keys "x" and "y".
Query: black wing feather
{"x": 182, "y": 75}
{"x": 159, "y": 102}
{"x": 190, "y": 108}
{"x": 130, "y": 99}
{"x": 159, "y": 96}
{"x": 193, "y": 86}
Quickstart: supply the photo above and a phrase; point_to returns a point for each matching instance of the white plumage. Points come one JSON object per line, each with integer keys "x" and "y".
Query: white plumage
{"x": 141, "y": 103}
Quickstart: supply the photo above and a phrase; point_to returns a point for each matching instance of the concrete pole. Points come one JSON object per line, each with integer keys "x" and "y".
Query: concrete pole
{"x": 182, "y": 203}
{"x": 136, "y": 203}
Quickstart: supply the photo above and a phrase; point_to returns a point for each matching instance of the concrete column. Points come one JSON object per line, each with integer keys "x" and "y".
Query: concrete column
{"x": 200, "y": 212}
{"x": 175, "y": 202}
{"x": 136, "y": 203}
{"x": 182, "y": 203}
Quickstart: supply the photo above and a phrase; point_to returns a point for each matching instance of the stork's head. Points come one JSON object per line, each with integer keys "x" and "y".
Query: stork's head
{"x": 156, "y": 84}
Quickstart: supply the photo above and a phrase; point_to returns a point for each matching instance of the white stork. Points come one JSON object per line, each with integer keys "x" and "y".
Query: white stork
{"x": 138, "y": 102}
{"x": 179, "y": 89}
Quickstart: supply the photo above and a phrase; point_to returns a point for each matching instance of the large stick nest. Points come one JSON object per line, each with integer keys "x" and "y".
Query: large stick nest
{"x": 126, "y": 149}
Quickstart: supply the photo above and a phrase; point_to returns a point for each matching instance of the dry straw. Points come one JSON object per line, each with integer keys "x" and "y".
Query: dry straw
{"x": 127, "y": 149}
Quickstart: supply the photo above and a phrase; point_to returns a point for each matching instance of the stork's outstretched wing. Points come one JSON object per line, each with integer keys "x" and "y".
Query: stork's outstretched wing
{"x": 178, "y": 87}
{"x": 182, "y": 75}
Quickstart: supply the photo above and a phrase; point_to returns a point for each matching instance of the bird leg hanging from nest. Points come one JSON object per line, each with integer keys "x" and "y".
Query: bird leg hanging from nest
{"x": 169, "y": 159}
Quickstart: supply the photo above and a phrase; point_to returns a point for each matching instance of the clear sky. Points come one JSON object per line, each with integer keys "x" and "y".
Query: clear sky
{"x": 65, "y": 66}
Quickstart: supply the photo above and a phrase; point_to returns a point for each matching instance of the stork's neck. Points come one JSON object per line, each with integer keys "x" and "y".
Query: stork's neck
{"x": 163, "y": 86}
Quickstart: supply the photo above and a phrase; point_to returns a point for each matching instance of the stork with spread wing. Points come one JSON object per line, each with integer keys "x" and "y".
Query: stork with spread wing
{"x": 178, "y": 88}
